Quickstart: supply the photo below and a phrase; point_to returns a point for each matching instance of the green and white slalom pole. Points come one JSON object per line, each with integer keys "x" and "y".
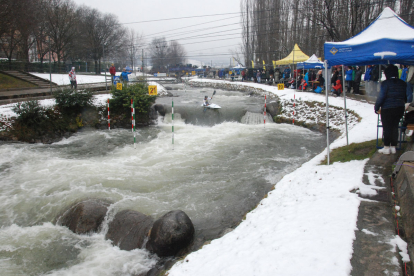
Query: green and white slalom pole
{"x": 172, "y": 120}
{"x": 133, "y": 119}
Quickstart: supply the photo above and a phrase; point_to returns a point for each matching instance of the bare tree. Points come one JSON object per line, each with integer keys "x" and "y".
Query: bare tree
{"x": 133, "y": 41}
{"x": 175, "y": 53}
{"x": 158, "y": 53}
{"x": 60, "y": 16}
{"x": 101, "y": 34}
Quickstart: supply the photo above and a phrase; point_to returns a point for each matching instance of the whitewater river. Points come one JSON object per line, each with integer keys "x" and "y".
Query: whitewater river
{"x": 222, "y": 164}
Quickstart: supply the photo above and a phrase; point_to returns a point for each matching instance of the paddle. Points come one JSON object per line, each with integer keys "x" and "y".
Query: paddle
{"x": 214, "y": 93}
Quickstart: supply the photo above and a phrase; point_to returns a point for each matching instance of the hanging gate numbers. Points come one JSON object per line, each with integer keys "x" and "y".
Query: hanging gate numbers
{"x": 281, "y": 86}
{"x": 152, "y": 90}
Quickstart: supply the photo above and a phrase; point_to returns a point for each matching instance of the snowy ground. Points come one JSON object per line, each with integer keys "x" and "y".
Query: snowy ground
{"x": 306, "y": 225}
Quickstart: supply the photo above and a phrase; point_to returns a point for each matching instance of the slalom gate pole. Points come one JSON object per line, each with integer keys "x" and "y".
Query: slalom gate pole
{"x": 109, "y": 119}
{"x": 133, "y": 118}
{"x": 264, "y": 114}
{"x": 172, "y": 120}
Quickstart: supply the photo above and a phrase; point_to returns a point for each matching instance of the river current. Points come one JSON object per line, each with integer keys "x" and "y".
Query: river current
{"x": 222, "y": 163}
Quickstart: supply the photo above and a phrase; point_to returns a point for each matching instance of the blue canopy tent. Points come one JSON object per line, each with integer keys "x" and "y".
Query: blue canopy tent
{"x": 387, "y": 40}
{"x": 312, "y": 63}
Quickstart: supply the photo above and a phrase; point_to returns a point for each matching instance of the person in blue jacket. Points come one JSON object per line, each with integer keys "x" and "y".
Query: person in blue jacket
{"x": 367, "y": 80}
{"x": 348, "y": 79}
{"x": 404, "y": 73}
{"x": 287, "y": 72}
{"x": 391, "y": 105}
{"x": 124, "y": 75}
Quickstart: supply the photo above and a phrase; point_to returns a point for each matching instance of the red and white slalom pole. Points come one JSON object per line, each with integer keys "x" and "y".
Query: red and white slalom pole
{"x": 133, "y": 119}
{"x": 109, "y": 119}
{"x": 264, "y": 113}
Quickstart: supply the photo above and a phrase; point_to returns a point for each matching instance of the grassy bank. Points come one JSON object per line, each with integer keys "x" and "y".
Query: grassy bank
{"x": 7, "y": 82}
{"x": 353, "y": 152}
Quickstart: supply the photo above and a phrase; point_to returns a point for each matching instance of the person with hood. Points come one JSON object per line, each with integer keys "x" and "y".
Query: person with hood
{"x": 357, "y": 80}
{"x": 72, "y": 78}
{"x": 337, "y": 89}
{"x": 391, "y": 105}
{"x": 348, "y": 79}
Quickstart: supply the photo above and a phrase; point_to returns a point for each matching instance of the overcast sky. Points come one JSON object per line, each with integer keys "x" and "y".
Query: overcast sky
{"x": 217, "y": 20}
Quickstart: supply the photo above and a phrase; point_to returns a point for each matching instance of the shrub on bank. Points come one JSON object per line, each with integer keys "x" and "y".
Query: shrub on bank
{"x": 120, "y": 104}
{"x": 72, "y": 101}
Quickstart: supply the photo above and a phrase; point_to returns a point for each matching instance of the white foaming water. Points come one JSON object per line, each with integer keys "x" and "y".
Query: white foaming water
{"x": 214, "y": 174}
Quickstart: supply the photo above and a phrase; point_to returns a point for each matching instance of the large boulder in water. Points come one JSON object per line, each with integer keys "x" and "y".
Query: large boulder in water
{"x": 85, "y": 216}
{"x": 129, "y": 229}
{"x": 273, "y": 108}
{"x": 159, "y": 108}
{"x": 171, "y": 234}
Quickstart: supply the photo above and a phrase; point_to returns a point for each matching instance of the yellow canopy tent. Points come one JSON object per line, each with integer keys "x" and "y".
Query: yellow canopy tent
{"x": 294, "y": 57}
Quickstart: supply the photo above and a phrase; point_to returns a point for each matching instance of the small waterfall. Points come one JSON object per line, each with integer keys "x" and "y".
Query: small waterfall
{"x": 251, "y": 118}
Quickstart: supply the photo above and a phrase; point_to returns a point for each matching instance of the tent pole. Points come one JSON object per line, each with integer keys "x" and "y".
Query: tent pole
{"x": 327, "y": 110}
{"x": 346, "y": 112}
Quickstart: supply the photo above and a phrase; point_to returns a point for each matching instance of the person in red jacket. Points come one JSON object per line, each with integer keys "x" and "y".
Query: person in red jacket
{"x": 112, "y": 71}
{"x": 337, "y": 89}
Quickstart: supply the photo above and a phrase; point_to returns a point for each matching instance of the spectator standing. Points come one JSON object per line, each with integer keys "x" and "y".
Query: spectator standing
{"x": 286, "y": 72}
{"x": 410, "y": 82}
{"x": 259, "y": 76}
{"x": 124, "y": 75}
{"x": 72, "y": 78}
{"x": 357, "y": 80}
{"x": 391, "y": 105}
{"x": 348, "y": 79}
{"x": 367, "y": 80}
{"x": 404, "y": 73}
{"x": 374, "y": 78}
{"x": 112, "y": 70}
{"x": 271, "y": 74}
{"x": 243, "y": 74}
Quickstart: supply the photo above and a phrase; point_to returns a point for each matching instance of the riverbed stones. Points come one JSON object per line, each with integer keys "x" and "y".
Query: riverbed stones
{"x": 129, "y": 229}
{"x": 273, "y": 108}
{"x": 85, "y": 216}
{"x": 171, "y": 234}
{"x": 159, "y": 108}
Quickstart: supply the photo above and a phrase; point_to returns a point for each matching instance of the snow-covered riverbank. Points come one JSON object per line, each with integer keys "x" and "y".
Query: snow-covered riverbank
{"x": 307, "y": 225}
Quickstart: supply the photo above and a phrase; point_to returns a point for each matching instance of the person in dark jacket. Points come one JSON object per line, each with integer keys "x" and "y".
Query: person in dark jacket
{"x": 391, "y": 104}
{"x": 357, "y": 80}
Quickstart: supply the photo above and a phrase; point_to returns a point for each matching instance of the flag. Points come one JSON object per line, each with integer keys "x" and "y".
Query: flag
{"x": 252, "y": 64}
{"x": 264, "y": 65}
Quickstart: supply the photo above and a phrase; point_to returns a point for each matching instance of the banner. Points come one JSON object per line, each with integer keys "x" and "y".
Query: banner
{"x": 264, "y": 65}
{"x": 252, "y": 64}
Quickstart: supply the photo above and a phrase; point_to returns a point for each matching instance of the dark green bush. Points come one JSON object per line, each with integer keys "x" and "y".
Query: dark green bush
{"x": 30, "y": 113}
{"x": 72, "y": 101}
{"x": 121, "y": 101}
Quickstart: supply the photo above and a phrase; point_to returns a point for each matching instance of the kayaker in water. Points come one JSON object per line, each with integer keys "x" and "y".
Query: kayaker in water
{"x": 206, "y": 103}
